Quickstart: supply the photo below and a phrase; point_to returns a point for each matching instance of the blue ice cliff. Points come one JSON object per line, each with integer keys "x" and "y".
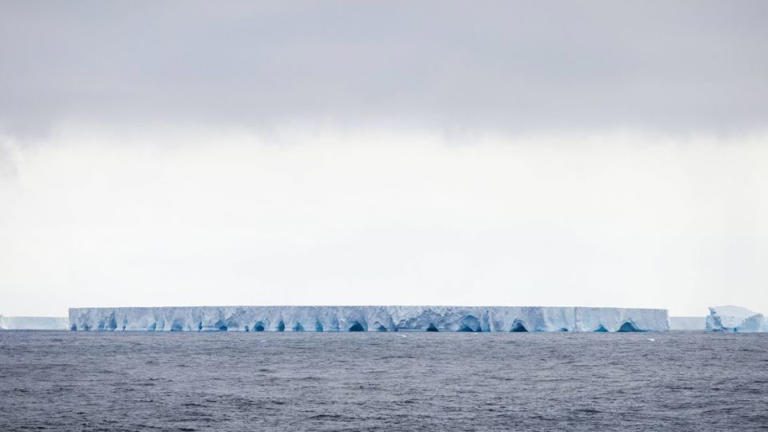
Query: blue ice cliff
{"x": 369, "y": 318}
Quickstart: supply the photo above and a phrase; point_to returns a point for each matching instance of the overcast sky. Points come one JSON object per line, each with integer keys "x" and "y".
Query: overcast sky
{"x": 509, "y": 153}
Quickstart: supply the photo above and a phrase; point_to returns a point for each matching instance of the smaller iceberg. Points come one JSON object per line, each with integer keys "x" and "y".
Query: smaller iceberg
{"x": 687, "y": 323}
{"x": 735, "y": 319}
{"x": 33, "y": 323}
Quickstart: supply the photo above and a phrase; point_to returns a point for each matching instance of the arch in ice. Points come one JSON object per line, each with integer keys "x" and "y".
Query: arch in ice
{"x": 221, "y": 326}
{"x": 357, "y": 327}
{"x": 112, "y": 325}
{"x": 177, "y": 325}
{"x": 628, "y": 327}
{"x": 518, "y": 327}
{"x": 470, "y": 323}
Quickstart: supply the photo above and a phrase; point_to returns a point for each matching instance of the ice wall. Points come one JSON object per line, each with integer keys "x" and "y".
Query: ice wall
{"x": 33, "y": 323}
{"x": 735, "y": 319}
{"x": 687, "y": 323}
{"x": 368, "y": 318}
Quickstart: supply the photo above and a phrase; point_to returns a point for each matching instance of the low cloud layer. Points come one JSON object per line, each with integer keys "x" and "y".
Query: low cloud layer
{"x": 684, "y": 67}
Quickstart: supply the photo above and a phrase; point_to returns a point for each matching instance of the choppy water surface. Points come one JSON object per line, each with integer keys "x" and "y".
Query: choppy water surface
{"x": 382, "y": 381}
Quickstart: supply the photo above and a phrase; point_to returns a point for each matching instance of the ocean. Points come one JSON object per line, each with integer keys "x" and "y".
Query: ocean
{"x": 674, "y": 381}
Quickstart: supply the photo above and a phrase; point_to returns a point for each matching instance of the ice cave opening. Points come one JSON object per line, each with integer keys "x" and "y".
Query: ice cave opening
{"x": 318, "y": 326}
{"x": 281, "y": 326}
{"x": 518, "y": 327}
{"x": 176, "y": 326}
{"x": 628, "y": 327}
{"x": 470, "y": 323}
{"x": 357, "y": 327}
{"x": 601, "y": 329}
{"x": 112, "y": 323}
{"x": 432, "y": 328}
{"x": 258, "y": 327}
{"x": 298, "y": 327}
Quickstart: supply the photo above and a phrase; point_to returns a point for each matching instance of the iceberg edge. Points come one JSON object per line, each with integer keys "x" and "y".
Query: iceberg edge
{"x": 369, "y": 318}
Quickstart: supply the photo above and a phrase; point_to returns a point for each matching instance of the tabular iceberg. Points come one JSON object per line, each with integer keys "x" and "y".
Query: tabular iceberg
{"x": 735, "y": 319}
{"x": 687, "y": 323}
{"x": 369, "y": 318}
{"x": 33, "y": 323}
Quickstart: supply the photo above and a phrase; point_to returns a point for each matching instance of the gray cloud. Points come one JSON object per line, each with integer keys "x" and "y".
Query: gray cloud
{"x": 510, "y": 66}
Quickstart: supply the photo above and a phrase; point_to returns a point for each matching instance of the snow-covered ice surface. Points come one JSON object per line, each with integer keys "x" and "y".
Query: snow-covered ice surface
{"x": 688, "y": 323}
{"x": 735, "y": 319}
{"x": 33, "y": 323}
{"x": 369, "y": 318}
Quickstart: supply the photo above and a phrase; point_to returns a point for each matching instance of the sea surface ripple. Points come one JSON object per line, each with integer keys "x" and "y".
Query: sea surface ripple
{"x": 681, "y": 381}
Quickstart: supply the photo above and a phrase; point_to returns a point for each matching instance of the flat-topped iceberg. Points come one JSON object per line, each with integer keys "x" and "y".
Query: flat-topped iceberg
{"x": 735, "y": 319}
{"x": 33, "y": 323}
{"x": 687, "y": 323}
{"x": 369, "y": 318}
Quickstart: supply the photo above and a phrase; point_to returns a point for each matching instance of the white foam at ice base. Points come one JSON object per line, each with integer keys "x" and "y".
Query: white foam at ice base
{"x": 33, "y": 323}
{"x": 369, "y": 318}
{"x": 735, "y": 319}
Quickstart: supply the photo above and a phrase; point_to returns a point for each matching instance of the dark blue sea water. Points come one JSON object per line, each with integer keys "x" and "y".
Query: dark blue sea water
{"x": 383, "y": 381}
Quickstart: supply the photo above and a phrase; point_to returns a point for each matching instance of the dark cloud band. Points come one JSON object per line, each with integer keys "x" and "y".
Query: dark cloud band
{"x": 509, "y": 66}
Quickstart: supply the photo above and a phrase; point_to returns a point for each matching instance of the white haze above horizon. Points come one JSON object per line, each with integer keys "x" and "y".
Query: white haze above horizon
{"x": 200, "y": 217}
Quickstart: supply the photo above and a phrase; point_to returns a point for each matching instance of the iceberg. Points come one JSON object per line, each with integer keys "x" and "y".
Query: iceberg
{"x": 687, "y": 323}
{"x": 735, "y": 319}
{"x": 33, "y": 323}
{"x": 368, "y": 319}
